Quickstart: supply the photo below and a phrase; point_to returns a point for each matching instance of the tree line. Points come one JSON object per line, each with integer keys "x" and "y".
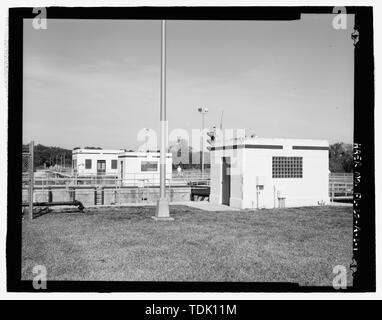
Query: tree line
{"x": 50, "y": 156}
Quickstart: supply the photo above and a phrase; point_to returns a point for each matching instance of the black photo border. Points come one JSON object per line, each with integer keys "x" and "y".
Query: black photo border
{"x": 363, "y": 265}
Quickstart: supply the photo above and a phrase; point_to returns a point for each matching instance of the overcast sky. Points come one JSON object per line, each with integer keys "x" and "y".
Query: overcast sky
{"x": 96, "y": 82}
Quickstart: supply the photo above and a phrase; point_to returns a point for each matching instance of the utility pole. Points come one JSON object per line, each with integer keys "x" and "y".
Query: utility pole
{"x": 162, "y": 209}
{"x": 203, "y": 112}
{"x": 31, "y": 179}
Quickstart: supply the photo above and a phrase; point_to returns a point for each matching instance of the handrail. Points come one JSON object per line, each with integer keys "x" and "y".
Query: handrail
{"x": 91, "y": 181}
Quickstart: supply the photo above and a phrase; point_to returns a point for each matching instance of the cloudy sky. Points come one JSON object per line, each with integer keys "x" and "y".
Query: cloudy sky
{"x": 96, "y": 82}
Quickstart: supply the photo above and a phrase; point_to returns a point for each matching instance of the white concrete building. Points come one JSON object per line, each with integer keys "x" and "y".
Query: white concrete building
{"x": 270, "y": 173}
{"x": 91, "y": 162}
{"x": 142, "y": 168}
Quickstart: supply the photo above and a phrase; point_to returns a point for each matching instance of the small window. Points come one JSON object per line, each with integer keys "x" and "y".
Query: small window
{"x": 149, "y": 166}
{"x": 114, "y": 164}
{"x": 88, "y": 163}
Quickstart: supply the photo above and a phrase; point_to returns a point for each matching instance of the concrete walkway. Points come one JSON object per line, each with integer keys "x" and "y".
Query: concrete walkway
{"x": 206, "y": 205}
{"x": 201, "y": 205}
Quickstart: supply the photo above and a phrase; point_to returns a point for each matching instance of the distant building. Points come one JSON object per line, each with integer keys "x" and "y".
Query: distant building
{"x": 270, "y": 173}
{"x": 91, "y": 162}
{"x": 140, "y": 168}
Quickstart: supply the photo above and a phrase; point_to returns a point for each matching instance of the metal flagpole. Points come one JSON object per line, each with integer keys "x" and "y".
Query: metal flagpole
{"x": 203, "y": 114}
{"x": 162, "y": 209}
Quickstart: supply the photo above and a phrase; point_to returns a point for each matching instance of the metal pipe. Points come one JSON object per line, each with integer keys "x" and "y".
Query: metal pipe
{"x": 163, "y": 119}
{"x": 59, "y": 203}
{"x": 257, "y": 197}
{"x": 203, "y": 114}
{"x": 162, "y": 209}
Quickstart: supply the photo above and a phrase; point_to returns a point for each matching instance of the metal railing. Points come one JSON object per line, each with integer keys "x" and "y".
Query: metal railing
{"x": 28, "y": 177}
{"x": 135, "y": 180}
{"x": 340, "y": 186}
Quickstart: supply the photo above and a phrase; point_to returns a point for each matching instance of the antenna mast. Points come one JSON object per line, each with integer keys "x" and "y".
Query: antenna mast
{"x": 221, "y": 120}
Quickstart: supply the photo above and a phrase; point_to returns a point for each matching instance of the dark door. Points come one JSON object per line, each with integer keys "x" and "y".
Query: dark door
{"x": 226, "y": 180}
{"x": 121, "y": 177}
{"x": 101, "y": 167}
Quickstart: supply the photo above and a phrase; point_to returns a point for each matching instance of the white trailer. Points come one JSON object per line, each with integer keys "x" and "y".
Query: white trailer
{"x": 95, "y": 162}
{"x": 142, "y": 168}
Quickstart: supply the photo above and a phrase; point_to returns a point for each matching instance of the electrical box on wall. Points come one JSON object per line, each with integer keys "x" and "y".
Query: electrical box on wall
{"x": 260, "y": 181}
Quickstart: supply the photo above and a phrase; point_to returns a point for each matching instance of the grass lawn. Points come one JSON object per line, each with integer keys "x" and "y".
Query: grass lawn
{"x": 296, "y": 245}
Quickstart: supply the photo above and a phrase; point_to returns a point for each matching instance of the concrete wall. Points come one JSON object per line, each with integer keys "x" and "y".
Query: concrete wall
{"x": 306, "y": 191}
{"x": 40, "y": 196}
{"x": 110, "y": 195}
{"x": 25, "y": 195}
{"x": 85, "y": 195}
{"x": 141, "y": 195}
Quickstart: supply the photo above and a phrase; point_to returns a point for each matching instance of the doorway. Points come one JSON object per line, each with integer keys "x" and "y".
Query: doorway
{"x": 101, "y": 167}
{"x": 226, "y": 180}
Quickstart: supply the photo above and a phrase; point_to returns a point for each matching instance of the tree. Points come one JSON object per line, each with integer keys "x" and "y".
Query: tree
{"x": 181, "y": 153}
{"x": 51, "y": 155}
{"x": 341, "y": 157}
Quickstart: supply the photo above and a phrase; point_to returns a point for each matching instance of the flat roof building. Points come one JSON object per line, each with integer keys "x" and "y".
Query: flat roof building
{"x": 91, "y": 162}
{"x": 270, "y": 173}
{"x": 139, "y": 168}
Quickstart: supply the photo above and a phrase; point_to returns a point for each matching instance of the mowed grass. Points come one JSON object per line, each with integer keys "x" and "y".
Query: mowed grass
{"x": 291, "y": 245}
